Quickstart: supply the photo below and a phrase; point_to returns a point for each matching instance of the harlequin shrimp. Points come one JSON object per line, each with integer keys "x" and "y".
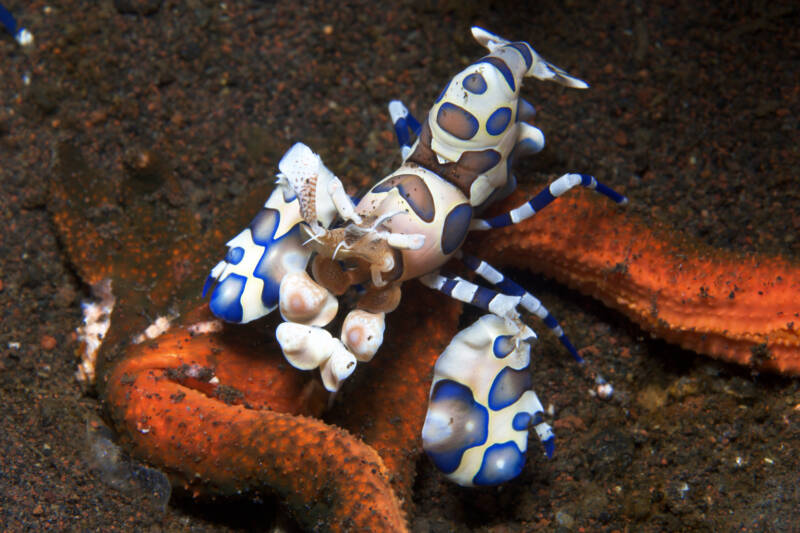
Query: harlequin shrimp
{"x": 311, "y": 243}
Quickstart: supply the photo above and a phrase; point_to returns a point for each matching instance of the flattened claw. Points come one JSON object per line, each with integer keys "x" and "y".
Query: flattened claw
{"x": 248, "y": 279}
{"x": 481, "y": 405}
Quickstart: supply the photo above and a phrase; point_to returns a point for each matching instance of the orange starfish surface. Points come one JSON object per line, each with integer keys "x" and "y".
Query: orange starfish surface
{"x": 741, "y": 309}
{"x": 221, "y": 412}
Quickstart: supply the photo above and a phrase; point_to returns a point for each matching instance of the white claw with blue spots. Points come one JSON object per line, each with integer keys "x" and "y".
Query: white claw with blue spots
{"x": 481, "y": 405}
{"x": 246, "y": 283}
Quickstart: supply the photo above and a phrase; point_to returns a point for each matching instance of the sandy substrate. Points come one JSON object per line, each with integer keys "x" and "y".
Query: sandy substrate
{"x": 693, "y": 113}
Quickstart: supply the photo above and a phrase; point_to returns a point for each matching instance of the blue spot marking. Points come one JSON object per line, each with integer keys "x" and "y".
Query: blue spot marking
{"x": 226, "y": 299}
{"x": 524, "y": 51}
{"x": 264, "y": 226}
{"x": 235, "y": 255}
{"x": 455, "y": 228}
{"x": 498, "y": 121}
{"x": 502, "y": 346}
{"x": 479, "y": 161}
{"x": 289, "y": 195}
{"x": 457, "y": 121}
{"x": 501, "y": 66}
{"x": 527, "y": 147}
{"x": 475, "y": 83}
{"x": 508, "y": 387}
{"x": 451, "y": 391}
{"x": 521, "y": 421}
{"x": 269, "y": 293}
{"x": 511, "y": 463}
{"x": 415, "y": 192}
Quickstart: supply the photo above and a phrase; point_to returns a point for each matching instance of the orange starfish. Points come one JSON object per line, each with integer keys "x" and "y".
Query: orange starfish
{"x": 741, "y": 309}
{"x": 222, "y": 412}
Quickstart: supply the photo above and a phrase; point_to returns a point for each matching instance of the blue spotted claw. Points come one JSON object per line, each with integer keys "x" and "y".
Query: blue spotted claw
{"x": 246, "y": 283}
{"x": 307, "y": 199}
{"x": 481, "y": 405}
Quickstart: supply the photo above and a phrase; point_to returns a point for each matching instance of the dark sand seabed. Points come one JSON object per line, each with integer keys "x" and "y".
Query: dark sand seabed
{"x": 693, "y": 113}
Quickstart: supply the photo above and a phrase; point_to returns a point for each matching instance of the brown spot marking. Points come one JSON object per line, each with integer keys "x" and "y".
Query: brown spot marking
{"x": 414, "y": 190}
{"x": 460, "y": 173}
{"x": 457, "y": 121}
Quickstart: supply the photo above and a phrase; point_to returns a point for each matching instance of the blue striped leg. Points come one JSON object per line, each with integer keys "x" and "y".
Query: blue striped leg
{"x": 497, "y": 303}
{"x": 403, "y": 121}
{"x": 505, "y": 305}
{"x": 528, "y": 301}
{"x": 465, "y": 291}
{"x": 544, "y": 198}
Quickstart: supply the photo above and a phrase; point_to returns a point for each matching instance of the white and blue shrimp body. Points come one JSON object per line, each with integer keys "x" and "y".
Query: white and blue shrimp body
{"x": 406, "y": 227}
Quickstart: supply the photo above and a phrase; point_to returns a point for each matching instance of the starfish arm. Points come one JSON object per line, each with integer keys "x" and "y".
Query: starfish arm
{"x": 170, "y": 402}
{"x": 740, "y": 309}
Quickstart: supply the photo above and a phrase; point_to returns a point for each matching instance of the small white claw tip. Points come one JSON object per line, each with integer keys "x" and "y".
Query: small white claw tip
{"x": 305, "y": 347}
{"x": 338, "y": 367}
{"x": 362, "y": 333}
{"x": 486, "y": 38}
